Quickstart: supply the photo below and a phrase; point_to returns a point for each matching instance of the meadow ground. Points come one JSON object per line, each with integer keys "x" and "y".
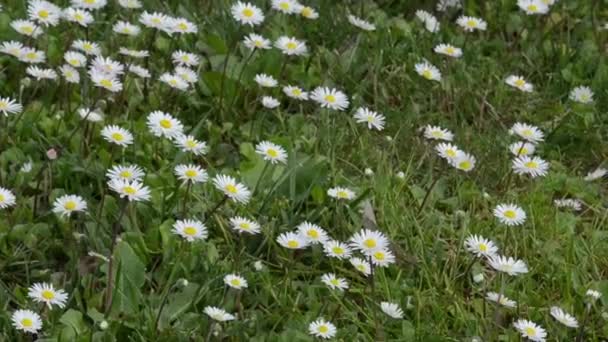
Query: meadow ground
{"x": 372, "y": 185}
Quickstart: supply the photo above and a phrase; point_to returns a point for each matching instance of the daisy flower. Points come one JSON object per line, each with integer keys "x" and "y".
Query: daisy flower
{"x": 191, "y": 173}
{"x": 448, "y": 50}
{"x": 41, "y": 74}
{"x": 336, "y": 249}
{"x": 285, "y": 6}
{"x": 581, "y": 94}
{"x": 46, "y": 293}
{"x": 392, "y": 310}
{"x": 520, "y": 83}
{"x": 27, "y": 321}
{"x": 126, "y": 172}
{"x": 90, "y": 48}
{"x": 244, "y": 225}
{"x": 533, "y": 166}
{"x": 235, "y": 281}
{"x": 428, "y": 71}
{"x": 89, "y": 4}
{"x": 430, "y": 22}
{"x": 186, "y": 74}
{"x": 571, "y": 203}
{"x": 139, "y": 71}
{"x": 501, "y": 299}
{"x": 266, "y": 81}
{"x": 44, "y": 12}
{"x": 480, "y": 246}
{"x": 508, "y": 265}
{"x": 155, "y": 20}
{"x": 32, "y": 56}
{"x": 437, "y": 133}
{"x": 292, "y": 240}
{"x": 231, "y": 188}
{"x": 133, "y": 53}
{"x": 295, "y": 92}
{"x": 312, "y": 233}
{"x": 12, "y": 48}
{"x": 247, "y": 14}
{"x": 322, "y": 329}
{"x": 68, "y": 204}
{"x": 341, "y": 193}
{"x": 132, "y": 190}
{"x": 9, "y": 106}
{"x": 131, "y": 4}
{"x": 330, "y": 98}
{"x": 334, "y": 282}
{"x": 360, "y": 23}
{"x": 164, "y": 125}
{"x": 255, "y": 41}
{"x": 463, "y": 161}
{"x": 126, "y": 28}
{"x": 7, "y": 198}
{"x": 372, "y": 119}
{"x": 510, "y": 214}
{"x": 191, "y": 230}
{"x": 533, "y": 6}
{"x": 361, "y": 266}
{"x": 271, "y": 152}
{"x": 382, "y": 258}
{"x": 368, "y": 241}
{"x": 26, "y": 28}
{"x": 291, "y": 46}
{"x": 527, "y": 132}
{"x": 595, "y": 295}
{"x": 307, "y": 12}
{"x": 522, "y": 148}
{"x": 90, "y": 115}
{"x": 189, "y": 144}
{"x": 596, "y": 174}
{"x": 530, "y": 330}
{"x": 218, "y": 314}
{"x": 447, "y": 151}
{"x": 443, "y": 5}
{"x": 181, "y": 25}
{"x": 117, "y": 135}
{"x": 270, "y": 102}
{"x": 471, "y": 24}
{"x": 70, "y": 74}
{"x": 105, "y": 81}
{"x": 564, "y": 317}
{"x": 79, "y": 16}
{"x": 75, "y": 59}
{"x": 185, "y": 58}
{"x": 174, "y": 81}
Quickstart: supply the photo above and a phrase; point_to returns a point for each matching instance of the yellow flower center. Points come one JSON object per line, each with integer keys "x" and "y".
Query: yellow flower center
{"x": 30, "y": 55}
{"x": 27, "y": 322}
{"x": 74, "y": 62}
{"x": 532, "y": 8}
{"x": 510, "y": 214}
{"x": 1, "y": 198}
{"x": 291, "y": 45}
{"x": 70, "y": 205}
{"x": 450, "y": 50}
{"x": 90, "y": 2}
{"x": 292, "y": 244}
{"x": 258, "y": 43}
{"x": 313, "y": 234}
{"x": 471, "y": 23}
{"x": 523, "y": 151}
{"x": 531, "y": 165}
{"x": 190, "y": 231}
{"x": 117, "y": 136}
{"x": 450, "y": 153}
{"x": 483, "y": 247}
{"x": 43, "y": 14}
{"x": 106, "y": 83}
{"x": 78, "y": 17}
{"x": 126, "y": 174}
{"x": 3, "y": 105}
{"x": 231, "y": 188}
{"x": 173, "y": 82}
{"x": 427, "y": 74}
{"x": 164, "y": 123}
{"x": 129, "y": 190}
{"x": 182, "y": 26}
{"x": 235, "y": 282}
{"x": 87, "y": 46}
{"x": 156, "y": 20}
{"x": 379, "y": 255}
{"x": 338, "y": 250}
{"x": 296, "y": 92}
{"x": 584, "y": 97}
{"x": 306, "y": 12}
{"x": 361, "y": 268}
{"x": 465, "y": 165}
{"x": 248, "y": 12}
{"x": 342, "y": 194}
{"x": 272, "y": 153}
{"x": 27, "y": 29}
{"x": 530, "y": 331}
{"x": 370, "y": 243}
{"x": 191, "y": 173}
{"x": 520, "y": 83}
{"x": 334, "y": 282}
{"x": 244, "y": 226}
{"x": 370, "y": 118}
{"x": 284, "y": 6}
{"x": 330, "y": 98}
{"x": 323, "y": 329}
{"x": 190, "y": 143}
{"x": 47, "y": 294}
{"x": 185, "y": 58}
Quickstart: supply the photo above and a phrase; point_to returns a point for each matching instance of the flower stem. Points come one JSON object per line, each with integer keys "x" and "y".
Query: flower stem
{"x": 110, "y": 282}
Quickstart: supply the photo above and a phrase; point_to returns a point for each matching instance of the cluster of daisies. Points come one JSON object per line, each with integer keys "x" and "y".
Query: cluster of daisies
{"x": 451, "y": 153}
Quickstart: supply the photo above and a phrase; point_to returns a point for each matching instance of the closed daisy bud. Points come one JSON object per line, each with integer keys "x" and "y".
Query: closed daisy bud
{"x": 270, "y": 102}
{"x": 218, "y": 314}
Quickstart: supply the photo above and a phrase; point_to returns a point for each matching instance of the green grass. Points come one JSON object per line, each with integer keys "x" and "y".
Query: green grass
{"x": 432, "y": 278}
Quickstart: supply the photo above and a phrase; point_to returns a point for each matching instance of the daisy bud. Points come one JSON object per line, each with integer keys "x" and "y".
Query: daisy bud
{"x": 401, "y": 175}
{"x": 368, "y": 172}
{"x": 478, "y": 278}
{"x": 183, "y": 282}
{"x": 26, "y": 82}
{"x": 103, "y": 325}
{"x": 51, "y": 154}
